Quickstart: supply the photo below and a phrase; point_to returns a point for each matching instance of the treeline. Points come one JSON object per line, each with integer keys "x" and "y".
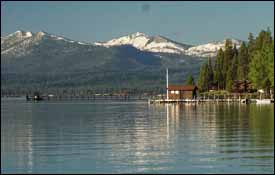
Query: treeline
{"x": 79, "y": 91}
{"x": 252, "y": 61}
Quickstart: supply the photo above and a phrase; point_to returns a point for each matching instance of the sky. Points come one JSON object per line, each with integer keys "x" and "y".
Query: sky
{"x": 191, "y": 22}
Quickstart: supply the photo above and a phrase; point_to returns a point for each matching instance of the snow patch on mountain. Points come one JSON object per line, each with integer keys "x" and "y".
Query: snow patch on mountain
{"x": 210, "y": 49}
{"x": 161, "y": 44}
{"x": 138, "y": 40}
{"x": 20, "y": 43}
{"x": 145, "y": 43}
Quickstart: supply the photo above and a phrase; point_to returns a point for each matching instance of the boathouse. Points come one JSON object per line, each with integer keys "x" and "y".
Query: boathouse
{"x": 242, "y": 86}
{"x": 182, "y": 92}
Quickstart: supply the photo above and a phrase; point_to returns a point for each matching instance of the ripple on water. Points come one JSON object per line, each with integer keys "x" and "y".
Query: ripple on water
{"x": 103, "y": 137}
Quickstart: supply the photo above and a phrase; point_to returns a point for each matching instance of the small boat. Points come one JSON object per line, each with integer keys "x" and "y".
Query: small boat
{"x": 263, "y": 101}
{"x": 34, "y": 98}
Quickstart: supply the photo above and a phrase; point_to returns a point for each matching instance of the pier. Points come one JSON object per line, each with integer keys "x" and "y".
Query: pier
{"x": 197, "y": 100}
{"x": 188, "y": 94}
{"x": 234, "y": 100}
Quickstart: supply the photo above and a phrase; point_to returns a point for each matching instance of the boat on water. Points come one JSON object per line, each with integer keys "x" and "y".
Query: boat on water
{"x": 34, "y": 98}
{"x": 263, "y": 101}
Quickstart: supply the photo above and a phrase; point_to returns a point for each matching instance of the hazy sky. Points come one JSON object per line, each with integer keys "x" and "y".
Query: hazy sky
{"x": 187, "y": 22}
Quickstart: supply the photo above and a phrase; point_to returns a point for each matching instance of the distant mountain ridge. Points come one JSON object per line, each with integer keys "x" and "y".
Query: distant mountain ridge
{"x": 30, "y": 60}
{"x": 141, "y": 41}
{"x": 162, "y": 44}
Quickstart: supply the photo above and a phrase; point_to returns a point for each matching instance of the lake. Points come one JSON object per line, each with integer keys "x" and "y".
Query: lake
{"x": 135, "y": 137}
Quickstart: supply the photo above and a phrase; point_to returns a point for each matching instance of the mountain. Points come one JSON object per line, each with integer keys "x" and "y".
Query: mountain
{"x": 161, "y": 44}
{"x": 42, "y": 60}
{"x": 210, "y": 49}
{"x": 143, "y": 42}
{"x": 21, "y": 43}
{"x": 18, "y": 43}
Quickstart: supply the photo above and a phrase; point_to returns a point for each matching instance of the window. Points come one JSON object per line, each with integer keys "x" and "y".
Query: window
{"x": 177, "y": 92}
{"x": 172, "y": 92}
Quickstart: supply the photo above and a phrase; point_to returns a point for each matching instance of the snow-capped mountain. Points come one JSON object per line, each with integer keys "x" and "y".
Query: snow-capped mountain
{"x": 161, "y": 44}
{"x": 21, "y": 43}
{"x": 143, "y": 42}
{"x": 210, "y": 49}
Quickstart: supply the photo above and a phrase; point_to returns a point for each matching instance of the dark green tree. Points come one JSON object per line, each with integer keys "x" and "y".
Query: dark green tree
{"x": 210, "y": 74}
{"x": 264, "y": 38}
{"x": 261, "y": 65}
{"x": 250, "y": 46}
{"x": 218, "y": 69}
{"x": 229, "y": 78}
{"x": 243, "y": 62}
{"x": 258, "y": 71}
{"x": 228, "y": 56}
{"x": 271, "y": 63}
{"x": 190, "y": 80}
{"x": 202, "y": 80}
{"x": 235, "y": 65}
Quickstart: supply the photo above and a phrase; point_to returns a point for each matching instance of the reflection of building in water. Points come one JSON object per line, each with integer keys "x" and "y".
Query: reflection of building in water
{"x": 143, "y": 141}
{"x": 196, "y": 121}
{"x": 195, "y": 124}
{"x": 191, "y": 125}
{"x": 30, "y": 149}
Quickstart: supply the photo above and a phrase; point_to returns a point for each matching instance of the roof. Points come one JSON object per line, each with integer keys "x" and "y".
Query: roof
{"x": 182, "y": 87}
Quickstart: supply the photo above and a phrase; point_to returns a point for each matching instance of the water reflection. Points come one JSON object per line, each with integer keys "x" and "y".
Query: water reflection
{"x": 136, "y": 138}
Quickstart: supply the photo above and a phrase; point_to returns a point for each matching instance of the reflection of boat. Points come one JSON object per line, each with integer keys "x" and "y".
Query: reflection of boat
{"x": 246, "y": 101}
{"x": 263, "y": 101}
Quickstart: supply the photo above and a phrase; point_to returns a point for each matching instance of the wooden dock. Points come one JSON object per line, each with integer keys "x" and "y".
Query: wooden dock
{"x": 234, "y": 100}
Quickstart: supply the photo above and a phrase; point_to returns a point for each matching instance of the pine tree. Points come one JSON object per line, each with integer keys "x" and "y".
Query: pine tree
{"x": 269, "y": 38}
{"x": 243, "y": 62}
{"x": 218, "y": 67}
{"x": 271, "y": 63}
{"x": 228, "y": 56}
{"x": 235, "y": 67}
{"x": 250, "y": 46}
{"x": 229, "y": 78}
{"x": 261, "y": 70}
{"x": 258, "y": 72}
{"x": 264, "y": 38}
{"x": 190, "y": 80}
{"x": 235, "y": 62}
{"x": 202, "y": 81}
{"x": 210, "y": 74}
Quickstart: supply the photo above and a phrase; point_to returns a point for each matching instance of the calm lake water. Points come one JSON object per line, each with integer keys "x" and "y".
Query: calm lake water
{"x": 134, "y": 137}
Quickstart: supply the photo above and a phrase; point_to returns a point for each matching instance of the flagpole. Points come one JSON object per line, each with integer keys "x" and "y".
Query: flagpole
{"x": 167, "y": 97}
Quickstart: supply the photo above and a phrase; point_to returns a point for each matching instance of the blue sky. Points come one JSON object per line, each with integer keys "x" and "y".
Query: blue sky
{"x": 188, "y": 22}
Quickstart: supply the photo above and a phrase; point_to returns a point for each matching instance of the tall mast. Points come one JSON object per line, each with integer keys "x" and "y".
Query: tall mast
{"x": 167, "y": 84}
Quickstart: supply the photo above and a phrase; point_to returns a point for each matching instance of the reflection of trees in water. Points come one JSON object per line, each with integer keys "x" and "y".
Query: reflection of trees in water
{"x": 243, "y": 126}
{"x": 232, "y": 121}
{"x": 224, "y": 125}
{"x": 261, "y": 124}
{"x": 246, "y": 123}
